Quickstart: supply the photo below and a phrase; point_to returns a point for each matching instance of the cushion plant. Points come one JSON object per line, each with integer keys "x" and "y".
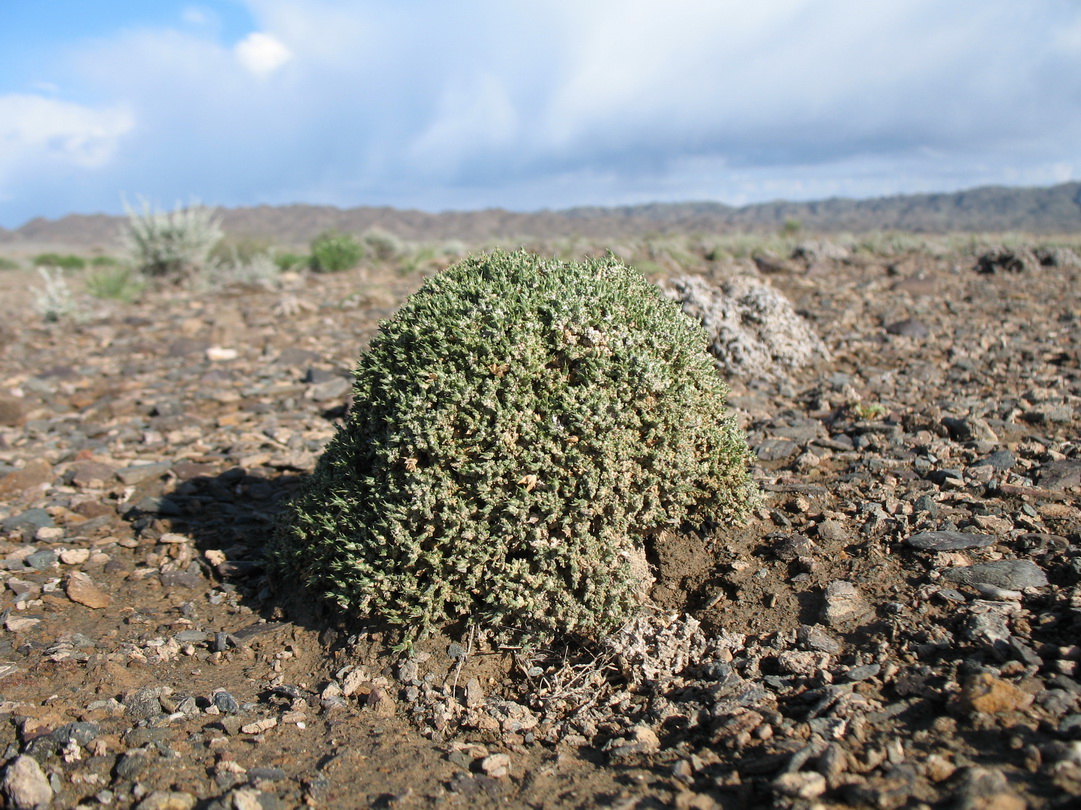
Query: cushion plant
{"x": 518, "y": 430}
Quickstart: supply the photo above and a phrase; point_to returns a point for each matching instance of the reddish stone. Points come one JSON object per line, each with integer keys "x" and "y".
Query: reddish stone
{"x": 89, "y": 473}
{"x": 12, "y": 411}
{"x": 34, "y": 474}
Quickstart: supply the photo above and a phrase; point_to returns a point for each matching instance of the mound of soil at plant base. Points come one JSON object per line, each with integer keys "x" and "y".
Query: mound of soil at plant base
{"x": 827, "y": 652}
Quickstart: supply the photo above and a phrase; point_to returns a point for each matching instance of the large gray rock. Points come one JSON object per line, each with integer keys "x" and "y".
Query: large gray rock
{"x": 817, "y": 250}
{"x": 1061, "y": 474}
{"x": 949, "y": 541}
{"x": 753, "y": 330}
{"x": 1010, "y": 574}
{"x": 1051, "y": 256}
{"x": 1010, "y": 260}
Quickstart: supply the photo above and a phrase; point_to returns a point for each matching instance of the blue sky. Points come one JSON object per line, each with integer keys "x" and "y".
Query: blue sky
{"x": 436, "y": 104}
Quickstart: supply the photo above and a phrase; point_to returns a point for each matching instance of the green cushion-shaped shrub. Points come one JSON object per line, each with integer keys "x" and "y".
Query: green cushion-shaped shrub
{"x": 518, "y": 429}
{"x": 333, "y": 252}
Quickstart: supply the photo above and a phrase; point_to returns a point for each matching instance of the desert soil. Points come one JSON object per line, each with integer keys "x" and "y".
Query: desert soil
{"x": 898, "y": 626}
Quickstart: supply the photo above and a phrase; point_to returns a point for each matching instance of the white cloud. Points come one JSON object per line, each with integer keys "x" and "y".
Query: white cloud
{"x": 193, "y": 15}
{"x": 44, "y": 130}
{"x": 478, "y": 102}
{"x": 261, "y": 53}
{"x": 51, "y": 151}
{"x": 335, "y": 32}
{"x": 470, "y": 121}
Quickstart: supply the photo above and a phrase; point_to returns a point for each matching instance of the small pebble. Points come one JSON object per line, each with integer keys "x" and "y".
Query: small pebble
{"x": 259, "y": 726}
{"x": 74, "y": 556}
{"x": 844, "y": 604}
{"x": 380, "y": 702}
{"x": 640, "y": 740}
{"x": 41, "y": 560}
{"x": 950, "y": 595}
{"x": 999, "y": 594}
{"x": 800, "y": 784}
{"x": 864, "y": 672}
{"x": 456, "y": 650}
{"x": 130, "y": 766}
{"x": 986, "y": 694}
{"x": 81, "y": 589}
{"x": 226, "y": 703}
{"x": 167, "y": 800}
{"x": 142, "y": 704}
{"x": 986, "y": 789}
{"x": 496, "y": 765}
{"x": 1070, "y": 726}
{"x": 218, "y": 354}
{"x": 814, "y": 637}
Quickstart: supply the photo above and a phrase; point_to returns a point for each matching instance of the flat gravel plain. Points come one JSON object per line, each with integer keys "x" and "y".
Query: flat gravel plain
{"x": 899, "y": 626}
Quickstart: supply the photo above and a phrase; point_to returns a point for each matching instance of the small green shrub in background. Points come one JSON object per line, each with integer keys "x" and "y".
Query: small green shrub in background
{"x": 60, "y": 261}
{"x": 791, "y": 227}
{"x": 383, "y": 245}
{"x": 333, "y": 252}
{"x": 114, "y": 283}
{"x": 245, "y": 261}
{"x": 519, "y": 428}
{"x": 869, "y": 411}
{"x": 104, "y": 261}
{"x": 423, "y": 258}
{"x": 255, "y": 270}
{"x": 239, "y": 251}
{"x": 418, "y": 259}
{"x": 454, "y": 249}
{"x": 8, "y": 264}
{"x": 292, "y": 261}
{"x": 171, "y": 245}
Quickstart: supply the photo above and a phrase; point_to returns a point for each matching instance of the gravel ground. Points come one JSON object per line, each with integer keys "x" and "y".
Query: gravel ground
{"x": 898, "y": 626}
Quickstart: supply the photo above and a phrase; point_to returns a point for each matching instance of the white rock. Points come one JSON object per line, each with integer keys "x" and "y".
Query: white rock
{"x": 25, "y": 784}
{"x": 74, "y": 556}
{"x": 801, "y": 662}
{"x": 753, "y": 329}
{"x": 496, "y": 765}
{"x": 801, "y": 784}
{"x": 259, "y": 726}
{"x": 353, "y": 680}
{"x": 219, "y": 354}
{"x": 16, "y": 624}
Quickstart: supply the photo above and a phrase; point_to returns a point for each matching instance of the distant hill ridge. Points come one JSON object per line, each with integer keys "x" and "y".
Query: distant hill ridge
{"x": 1055, "y": 209}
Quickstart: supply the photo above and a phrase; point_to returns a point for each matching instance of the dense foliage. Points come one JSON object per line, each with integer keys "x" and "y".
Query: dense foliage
{"x": 62, "y": 261}
{"x": 518, "y": 429}
{"x": 333, "y": 252}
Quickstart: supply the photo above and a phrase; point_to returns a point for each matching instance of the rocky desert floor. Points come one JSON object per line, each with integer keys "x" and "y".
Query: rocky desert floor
{"x": 899, "y": 626}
